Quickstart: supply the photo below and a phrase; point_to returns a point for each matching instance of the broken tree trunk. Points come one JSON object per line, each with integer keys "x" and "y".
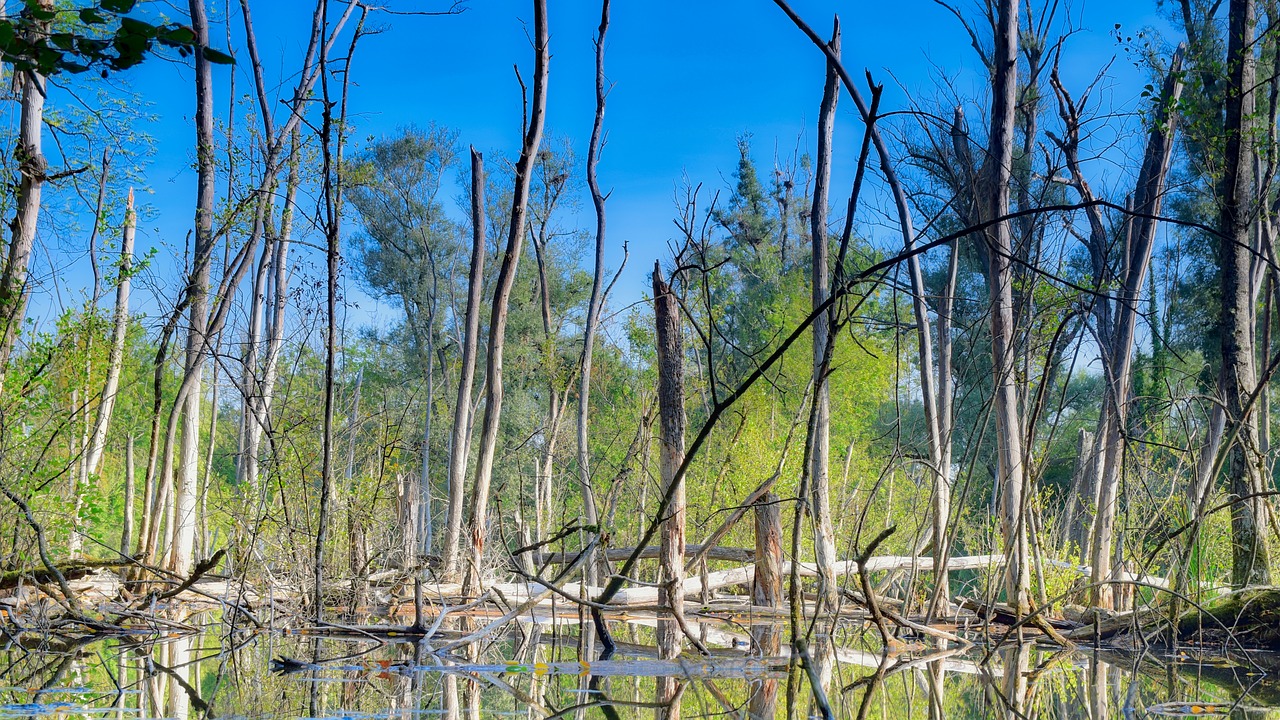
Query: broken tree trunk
{"x": 766, "y": 583}
{"x": 672, "y": 421}
{"x": 820, "y": 453}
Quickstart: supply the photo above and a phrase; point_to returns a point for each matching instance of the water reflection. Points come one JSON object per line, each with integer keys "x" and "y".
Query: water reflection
{"x": 537, "y": 671}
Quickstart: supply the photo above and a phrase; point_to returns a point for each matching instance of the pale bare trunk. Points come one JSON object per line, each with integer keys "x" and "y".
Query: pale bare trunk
{"x": 130, "y": 495}
{"x": 1011, "y": 471}
{"x": 478, "y": 519}
{"x": 188, "y": 481}
{"x": 261, "y": 399}
{"x": 820, "y": 453}
{"x": 115, "y": 357}
{"x": 1119, "y": 357}
{"x": 421, "y": 535}
{"x": 32, "y": 167}
{"x": 249, "y": 363}
{"x": 945, "y": 420}
{"x": 460, "y": 441}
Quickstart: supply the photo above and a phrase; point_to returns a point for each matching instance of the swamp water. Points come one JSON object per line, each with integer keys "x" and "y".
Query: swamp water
{"x": 533, "y": 671}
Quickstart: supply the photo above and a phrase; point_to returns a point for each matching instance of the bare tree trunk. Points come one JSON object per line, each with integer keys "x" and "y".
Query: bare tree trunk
{"x": 460, "y": 441}
{"x": 670, "y": 347}
{"x": 1119, "y": 361}
{"x": 130, "y": 495}
{"x": 944, "y": 421}
{"x": 820, "y": 453}
{"x": 250, "y": 360}
{"x": 32, "y": 167}
{"x": 1012, "y": 473}
{"x": 421, "y": 535}
{"x": 115, "y": 357}
{"x": 478, "y": 517}
{"x": 766, "y": 591}
{"x": 188, "y": 482}
{"x": 334, "y": 179}
{"x": 261, "y": 397}
{"x": 597, "y": 295}
{"x": 358, "y": 553}
{"x": 556, "y": 400}
{"x": 1250, "y": 558}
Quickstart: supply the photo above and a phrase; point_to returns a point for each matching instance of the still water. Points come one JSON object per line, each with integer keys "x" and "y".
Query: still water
{"x": 538, "y": 671}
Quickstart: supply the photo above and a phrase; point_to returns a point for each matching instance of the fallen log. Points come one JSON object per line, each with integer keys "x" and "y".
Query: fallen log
{"x": 73, "y": 570}
{"x": 1002, "y": 613}
{"x": 1250, "y": 617}
{"x": 730, "y": 554}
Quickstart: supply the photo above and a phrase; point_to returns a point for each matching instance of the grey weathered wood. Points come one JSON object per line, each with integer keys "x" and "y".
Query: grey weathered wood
{"x": 820, "y": 443}
{"x": 1250, "y": 561}
{"x": 999, "y": 255}
{"x": 672, "y": 423}
{"x": 730, "y": 554}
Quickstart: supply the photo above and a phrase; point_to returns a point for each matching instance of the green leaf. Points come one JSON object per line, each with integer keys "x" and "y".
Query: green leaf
{"x": 133, "y": 26}
{"x": 217, "y": 56}
{"x": 90, "y": 16}
{"x": 118, "y": 6}
{"x": 177, "y": 35}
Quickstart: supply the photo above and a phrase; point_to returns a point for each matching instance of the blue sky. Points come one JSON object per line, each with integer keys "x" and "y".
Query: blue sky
{"x": 688, "y": 78}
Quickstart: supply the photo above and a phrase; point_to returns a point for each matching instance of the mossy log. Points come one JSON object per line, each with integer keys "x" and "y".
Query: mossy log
{"x": 73, "y": 570}
{"x": 1251, "y": 616}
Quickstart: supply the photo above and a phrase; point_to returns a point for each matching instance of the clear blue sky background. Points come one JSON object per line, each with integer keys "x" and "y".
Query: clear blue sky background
{"x": 688, "y": 77}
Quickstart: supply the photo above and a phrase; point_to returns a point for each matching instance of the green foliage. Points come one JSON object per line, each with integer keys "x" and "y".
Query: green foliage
{"x": 102, "y": 36}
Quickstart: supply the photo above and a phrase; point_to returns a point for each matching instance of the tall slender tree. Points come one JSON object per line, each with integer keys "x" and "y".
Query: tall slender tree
{"x": 478, "y": 517}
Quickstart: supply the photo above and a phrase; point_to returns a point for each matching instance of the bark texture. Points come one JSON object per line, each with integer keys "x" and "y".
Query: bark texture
{"x": 1250, "y": 561}
{"x": 671, "y": 418}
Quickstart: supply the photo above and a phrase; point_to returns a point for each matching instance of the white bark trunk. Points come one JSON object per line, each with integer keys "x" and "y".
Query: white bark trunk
{"x": 115, "y": 357}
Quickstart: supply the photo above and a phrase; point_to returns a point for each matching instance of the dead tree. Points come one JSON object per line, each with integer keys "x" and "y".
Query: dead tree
{"x": 1117, "y": 321}
{"x": 478, "y": 517}
{"x": 820, "y": 452}
{"x": 32, "y": 169}
{"x": 1011, "y": 473}
{"x": 188, "y": 482}
{"x": 332, "y": 143}
{"x": 597, "y": 291}
{"x": 671, "y": 416}
{"x": 115, "y": 356}
{"x": 460, "y": 439}
{"x": 1250, "y": 561}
